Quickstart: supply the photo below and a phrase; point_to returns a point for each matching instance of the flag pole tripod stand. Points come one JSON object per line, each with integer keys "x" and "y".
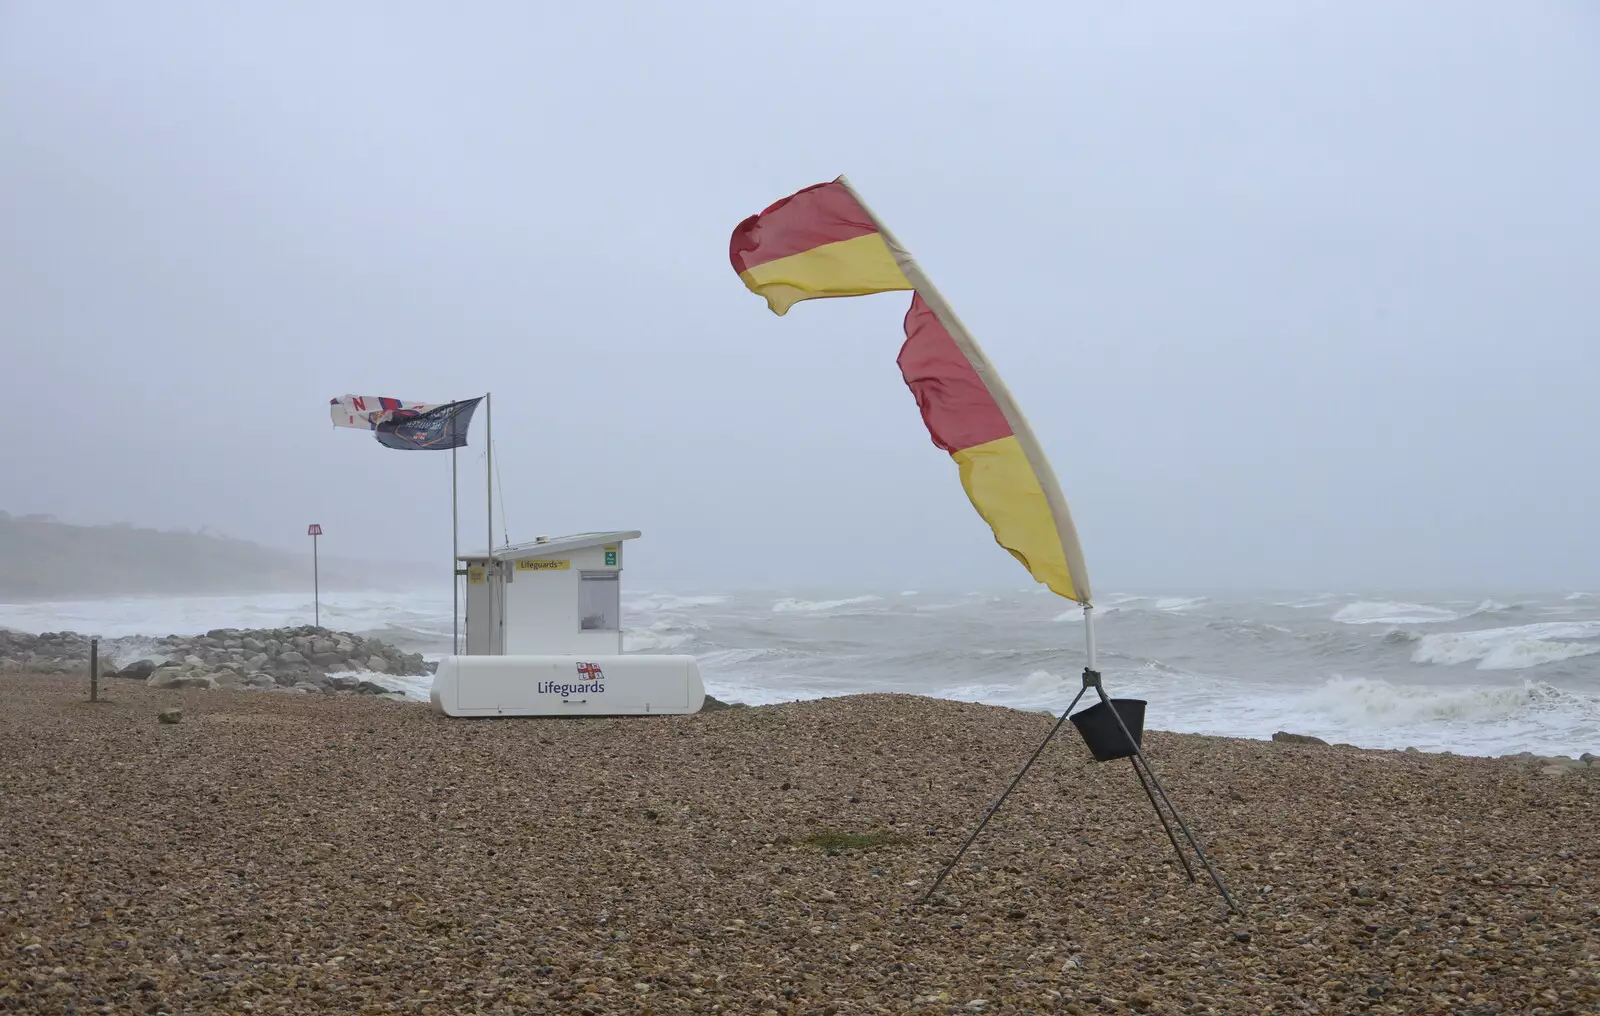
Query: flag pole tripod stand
{"x": 1119, "y": 749}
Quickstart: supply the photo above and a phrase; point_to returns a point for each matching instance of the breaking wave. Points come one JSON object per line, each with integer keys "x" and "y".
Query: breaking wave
{"x": 667, "y": 601}
{"x": 1390, "y": 612}
{"x": 660, "y": 637}
{"x": 1515, "y": 648}
{"x": 791, "y": 606}
{"x": 1368, "y": 701}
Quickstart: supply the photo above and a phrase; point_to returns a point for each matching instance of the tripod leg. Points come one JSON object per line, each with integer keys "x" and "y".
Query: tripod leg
{"x": 1199, "y": 850}
{"x": 1163, "y": 817}
{"x": 1002, "y": 799}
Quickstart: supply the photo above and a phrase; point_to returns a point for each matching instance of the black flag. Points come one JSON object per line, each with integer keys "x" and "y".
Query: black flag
{"x": 438, "y": 429}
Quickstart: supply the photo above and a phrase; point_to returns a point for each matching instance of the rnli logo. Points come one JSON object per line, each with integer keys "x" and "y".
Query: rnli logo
{"x": 590, "y": 681}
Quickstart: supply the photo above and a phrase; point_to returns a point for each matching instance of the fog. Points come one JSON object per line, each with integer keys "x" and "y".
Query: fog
{"x": 1293, "y": 294}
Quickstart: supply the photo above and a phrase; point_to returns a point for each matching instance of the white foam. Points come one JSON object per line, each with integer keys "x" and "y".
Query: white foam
{"x": 1039, "y": 689}
{"x": 415, "y": 621}
{"x": 418, "y": 687}
{"x": 789, "y": 606}
{"x": 1117, "y": 599}
{"x": 1368, "y": 702}
{"x": 1179, "y": 603}
{"x": 1515, "y": 648}
{"x": 660, "y": 637}
{"x": 724, "y": 659}
{"x": 1306, "y": 604}
{"x": 667, "y": 601}
{"x": 131, "y": 648}
{"x": 1390, "y": 612}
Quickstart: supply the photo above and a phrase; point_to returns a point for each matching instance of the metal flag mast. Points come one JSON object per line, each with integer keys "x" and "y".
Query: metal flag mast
{"x": 455, "y": 564}
{"x": 1128, "y": 745}
{"x": 488, "y": 468}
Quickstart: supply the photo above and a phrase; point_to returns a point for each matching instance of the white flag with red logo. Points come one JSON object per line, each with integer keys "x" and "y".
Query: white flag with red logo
{"x": 367, "y": 411}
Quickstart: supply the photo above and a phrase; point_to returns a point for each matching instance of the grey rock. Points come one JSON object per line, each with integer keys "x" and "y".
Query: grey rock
{"x": 223, "y": 656}
{"x": 1287, "y": 738}
{"x": 371, "y": 688}
{"x": 307, "y": 686}
{"x": 169, "y": 716}
{"x": 164, "y": 677}
{"x": 179, "y": 678}
{"x": 344, "y": 682}
{"x": 139, "y": 670}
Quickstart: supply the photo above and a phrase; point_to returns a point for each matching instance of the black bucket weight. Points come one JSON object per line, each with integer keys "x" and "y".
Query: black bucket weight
{"x": 1100, "y": 731}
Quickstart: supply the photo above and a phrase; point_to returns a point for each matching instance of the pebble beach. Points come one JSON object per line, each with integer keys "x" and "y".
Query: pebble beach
{"x": 318, "y": 854}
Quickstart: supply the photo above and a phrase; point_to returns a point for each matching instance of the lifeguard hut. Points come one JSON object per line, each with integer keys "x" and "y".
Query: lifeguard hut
{"x": 544, "y": 638}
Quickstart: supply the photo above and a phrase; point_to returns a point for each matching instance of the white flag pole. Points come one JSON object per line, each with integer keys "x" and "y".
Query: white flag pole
{"x": 1088, "y": 637}
{"x": 964, "y": 341}
{"x": 488, "y": 466}
{"x": 455, "y": 564}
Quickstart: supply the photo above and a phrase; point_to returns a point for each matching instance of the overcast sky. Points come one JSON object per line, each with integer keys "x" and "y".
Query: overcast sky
{"x": 1294, "y": 294}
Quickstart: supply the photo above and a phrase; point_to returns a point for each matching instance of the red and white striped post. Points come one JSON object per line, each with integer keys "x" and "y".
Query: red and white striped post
{"x": 315, "y": 531}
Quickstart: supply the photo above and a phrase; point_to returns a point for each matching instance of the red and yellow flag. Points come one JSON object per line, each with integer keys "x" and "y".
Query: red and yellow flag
{"x": 824, "y": 242}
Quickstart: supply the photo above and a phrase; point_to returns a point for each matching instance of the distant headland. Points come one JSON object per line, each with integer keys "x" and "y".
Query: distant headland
{"x": 43, "y": 559}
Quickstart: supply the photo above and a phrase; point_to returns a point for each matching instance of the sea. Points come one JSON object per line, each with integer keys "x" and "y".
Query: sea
{"x": 1485, "y": 675}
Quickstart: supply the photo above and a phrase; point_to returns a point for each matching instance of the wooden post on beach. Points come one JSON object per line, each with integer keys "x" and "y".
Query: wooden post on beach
{"x": 94, "y": 670}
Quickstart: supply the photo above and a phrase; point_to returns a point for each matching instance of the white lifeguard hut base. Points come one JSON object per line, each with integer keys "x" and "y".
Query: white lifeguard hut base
{"x": 544, "y": 638}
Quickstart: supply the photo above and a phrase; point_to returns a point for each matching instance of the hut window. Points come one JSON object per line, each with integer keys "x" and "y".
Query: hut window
{"x": 600, "y": 602}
